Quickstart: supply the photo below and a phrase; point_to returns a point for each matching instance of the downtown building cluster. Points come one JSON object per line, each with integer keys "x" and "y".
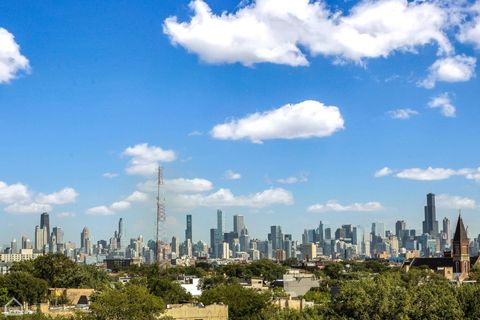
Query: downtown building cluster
{"x": 345, "y": 242}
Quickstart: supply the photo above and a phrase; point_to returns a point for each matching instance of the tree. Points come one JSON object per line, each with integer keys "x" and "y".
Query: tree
{"x": 128, "y": 303}
{"x": 171, "y": 292}
{"x": 58, "y": 270}
{"x": 468, "y": 297}
{"x": 4, "y": 298}
{"x": 24, "y": 287}
{"x": 242, "y": 303}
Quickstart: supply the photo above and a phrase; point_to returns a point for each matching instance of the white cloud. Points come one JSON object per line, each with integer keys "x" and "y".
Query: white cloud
{"x": 283, "y": 31}
{"x": 20, "y": 199}
{"x": 66, "y": 214}
{"x": 432, "y": 174}
{"x": 231, "y": 175}
{"x": 458, "y": 68}
{"x": 294, "y": 179}
{"x": 124, "y": 204}
{"x": 195, "y": 133}
{"x": 11, "y": 60}
{"x": 28, "y": 207}
{"x": 429, "y": 174}
{"x": 16, "y": 192}
{"x": 120, "y": 205}
{"x": 110, "y": 175}
{"x": 402, "y": 114}
{"x": 303, "y": 120}
{"x": 383, "y": 172}
{"x": 137, "y": 196}
{"x": 179, "y": 185}
{"x": 100, "y": 211}
{"x": 146, "y": 159}
{"x": 470, "y": 32}
{"x": 64, "y": 196}
{"x": 443, "y": 102}
{"x": 334, "y": 206}
{"x": 225, "y": 198}
{"x": 454, "y": 202}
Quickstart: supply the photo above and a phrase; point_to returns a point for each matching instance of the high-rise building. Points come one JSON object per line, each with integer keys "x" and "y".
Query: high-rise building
{"x": 175, "y": 245}
{"x": 58, "y": 233}
{"x": 447, "y": 230}
{"x": 45, "y": 224}
{"x": 400, "y": 225}
{"x": 328, "y": 234}
{"x": 378, "y": 229}
{"x": 238, "y": 224}
{"x": 13, "y": 246}
{"x": 26, "y": 243}
{"x": 320, "y": 233}
{"x": 40, "y": 238}
{"x": 219, "y": 235}
{"x": 121, "y": 236}
{"x": 85, "y": 240}
{"x": 276, "y": 237}
{"x": 430, "y": 224}
{"x": 213, "y": 242}
{"x": 244, "y": 240}
{"x": 188, "y": 230}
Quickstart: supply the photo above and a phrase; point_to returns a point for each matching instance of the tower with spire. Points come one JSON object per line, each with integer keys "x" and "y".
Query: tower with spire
{"x": 461, "y": 257}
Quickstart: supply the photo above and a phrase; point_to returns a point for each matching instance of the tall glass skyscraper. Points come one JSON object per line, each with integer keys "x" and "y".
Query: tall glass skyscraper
{"x": 238, "y": 224}
{"x": 430, "y": 224}
{"x": 45, "y": 224}
{"x": 188, "y": 230}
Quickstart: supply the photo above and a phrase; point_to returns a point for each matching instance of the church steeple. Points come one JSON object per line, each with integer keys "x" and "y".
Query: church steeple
{"x": 461, "y": 256}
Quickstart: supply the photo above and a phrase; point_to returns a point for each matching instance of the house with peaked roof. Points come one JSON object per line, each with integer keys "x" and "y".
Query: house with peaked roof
{"x": 455, "y": 264}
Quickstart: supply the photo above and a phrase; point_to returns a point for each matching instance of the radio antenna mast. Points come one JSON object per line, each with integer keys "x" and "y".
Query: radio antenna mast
{"x": 161, "y": 216}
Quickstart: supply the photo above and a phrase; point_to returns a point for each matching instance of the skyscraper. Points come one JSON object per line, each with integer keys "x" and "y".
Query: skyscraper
{"x": 40, "y": 238}
{"x": 188, "y": 230}
{"x": 447, "y": 230}
{"x": 238, "y": 224}
{"x": 378, "y": 229}
{"x": 399, "y": 226}
{"x": 219, "y": 235}
{"x": 45, "y": 224}
{"x": 320, "y": 233}
{"x": 85, "y": 240}
{"x": 58, "y": 233}
{"x": 430, "y": 225}
{"x": 276, "y": 237}
{"x": 121, "y": 235}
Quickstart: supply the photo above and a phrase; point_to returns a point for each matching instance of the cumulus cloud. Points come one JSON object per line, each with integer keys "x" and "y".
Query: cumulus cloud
{"x": 454, "y": 202}
{"x": 225, "y": 198}
{"x": 470, "y": 32}
{"x": 306, "y": 119}
{"x": 302, "y": 177}
{"x": 145, "y": 159}
{"x": 16, "y": 192}
{"x": 231, "y": 175}
{"x": 66, "y": 214}
{"x": 110, "y": 175}
{"x": 443, "y": 103}
{"x": 123, "y": 204}
{"x": 402, "y": 114}
{"x": 20, "y": 199}
{"x": 285, "y": 31}
{"x": 64, "y": 196}
{"x": 11, "y": 60}
{"x": 179, "y": 185}
{"x": 431, "y": 174}
{"x": 383, "y": 172}
{"x": 28, "y": 207}
{"x": 458, "y": 68}
{"x": 335, "y": 206}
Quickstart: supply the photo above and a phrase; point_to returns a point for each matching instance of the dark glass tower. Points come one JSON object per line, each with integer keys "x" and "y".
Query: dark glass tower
{"x": 188, "y": 230}
{"x": 45, "y": 224}
{"x": 430, "y": 225}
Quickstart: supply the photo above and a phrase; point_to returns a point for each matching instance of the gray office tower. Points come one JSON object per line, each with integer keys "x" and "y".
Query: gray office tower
{"x": 188, "y": 230}
{"x": 218, "y": 234}
{"x": 430, "y": 225}
{"x": 276, "y": 237}
{"x": 238, "y": 224}
{"x": 319, "y": 233}
{"x": 58, "y": 233}
{"x": 45, "y": 224}
{"x": 121, "y": 235}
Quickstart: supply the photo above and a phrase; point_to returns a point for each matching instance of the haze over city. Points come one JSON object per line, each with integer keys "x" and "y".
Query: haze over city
{"x": 304, "y": 127}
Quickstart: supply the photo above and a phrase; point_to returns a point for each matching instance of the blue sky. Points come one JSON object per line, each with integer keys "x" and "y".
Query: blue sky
{"x": 279, "y": 110}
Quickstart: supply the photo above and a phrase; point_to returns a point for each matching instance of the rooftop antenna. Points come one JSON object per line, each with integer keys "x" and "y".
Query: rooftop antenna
{"x": 161, "y": 216}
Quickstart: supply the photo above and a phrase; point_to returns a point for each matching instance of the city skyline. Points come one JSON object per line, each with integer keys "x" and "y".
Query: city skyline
{"x": 307, "y": 128}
